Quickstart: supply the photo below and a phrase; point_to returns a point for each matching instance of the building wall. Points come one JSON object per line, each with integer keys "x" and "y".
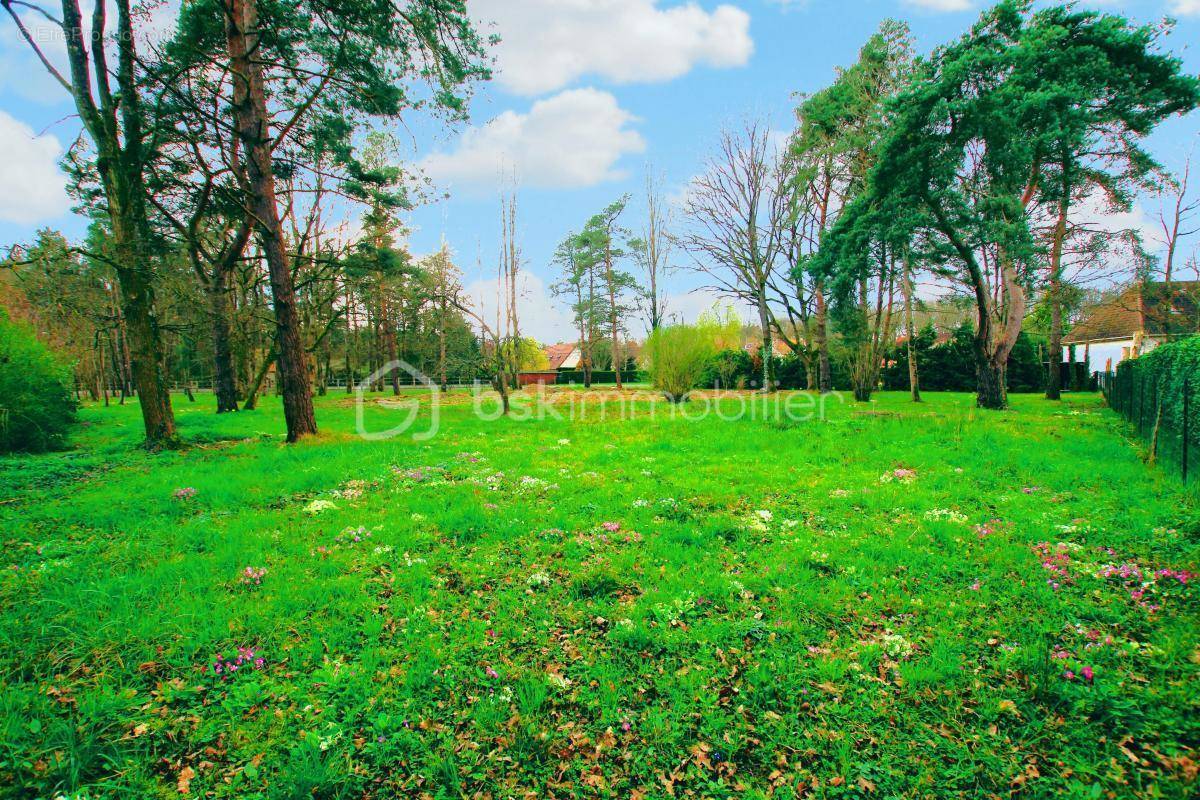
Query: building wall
{"x": 1100, "y": 352}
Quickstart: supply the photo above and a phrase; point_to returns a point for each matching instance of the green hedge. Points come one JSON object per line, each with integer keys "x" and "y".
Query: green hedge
{"x": 36, "y": 404}
{"x": 950, "y": 366}
{"x": 1149, "y": 392}
{"x": 601, "y": 377}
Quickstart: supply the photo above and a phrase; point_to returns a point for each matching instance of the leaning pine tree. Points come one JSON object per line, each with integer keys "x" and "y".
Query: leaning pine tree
{"x": 963, "y": 165}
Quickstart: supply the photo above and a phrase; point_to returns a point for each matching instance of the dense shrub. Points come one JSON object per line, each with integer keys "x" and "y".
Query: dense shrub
{"x": 677, "y": 356}
{"x": 601, "y": 377}
{"x": 790, "y": 372}
{"x": 36, "y": 404}
{"x": 950, "y": 365}
{"x": 729, "y": 369}
{"x": 1157, "y": 378}
{"x": 1026, "y": 372}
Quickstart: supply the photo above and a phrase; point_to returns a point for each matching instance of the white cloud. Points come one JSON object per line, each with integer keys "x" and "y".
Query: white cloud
{"x": 538, "y": 314}
{"x": 941, "y": 5}
{"x": 571, "y": 140}
{"x": 1095, "y": 212}
{"x": 547, "y": 44}
{"x": 1185, "y": 8}
{"x": 32, "y": 188}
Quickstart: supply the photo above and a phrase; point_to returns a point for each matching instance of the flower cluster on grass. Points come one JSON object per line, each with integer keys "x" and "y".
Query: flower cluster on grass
{"x": 899, "y": 475}
{"x": 1056, "y": 560}
{"x": 184, "y": 493}
{"x": 319, "y": 506}
{"x": 896, "y": 646}
{"x": 352, "y": 535}
{"x": 353, "y": 489}
{"x": 946, "y": 515}
{"x": 246, "y": 659}
{"x": 252, "y": 576}
{"x": 1066, "y": 562}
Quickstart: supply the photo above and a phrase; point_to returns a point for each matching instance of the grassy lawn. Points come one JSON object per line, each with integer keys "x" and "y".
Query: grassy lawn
{"x": 910, "y": 601}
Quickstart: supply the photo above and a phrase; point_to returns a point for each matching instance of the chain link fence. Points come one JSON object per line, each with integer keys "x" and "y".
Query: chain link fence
{"x": 1159, "y": 405}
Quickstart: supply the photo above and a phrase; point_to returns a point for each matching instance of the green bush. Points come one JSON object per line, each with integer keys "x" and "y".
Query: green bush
{"x": 677, "y": 356}
{"x": 600, "y": 377}
{"x": 729, "y": 369}
{"x": 790, "y": 372}
{"x": 950, "y": 365}
{"x": 36, "y": 404}
{"x": 1145, "y": 383}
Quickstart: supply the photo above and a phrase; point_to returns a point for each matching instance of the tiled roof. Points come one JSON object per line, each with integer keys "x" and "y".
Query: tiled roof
{"x": 557, "y": 354}
{"x": 1144, "y": 308}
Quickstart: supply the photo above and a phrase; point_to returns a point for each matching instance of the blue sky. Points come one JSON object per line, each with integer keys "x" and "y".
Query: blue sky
{"x": 588, "y": 93}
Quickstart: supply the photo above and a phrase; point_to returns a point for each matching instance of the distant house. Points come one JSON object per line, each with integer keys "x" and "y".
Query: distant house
{"x": 778, "y": 346}
{"x": 1134, "y": 322}
{"x": 940, "y": 338}
{"x": 563, "y": 356}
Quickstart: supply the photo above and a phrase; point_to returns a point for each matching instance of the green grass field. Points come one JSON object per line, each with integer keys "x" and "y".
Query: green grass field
{"x": 900, "y": 601}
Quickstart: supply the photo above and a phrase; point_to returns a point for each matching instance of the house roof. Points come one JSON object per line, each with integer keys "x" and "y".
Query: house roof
{"x": 1146, "y": 308}
{"x": 778, "y": 346}
{"x": 940, "y": 338}
{"x": 560, "y": 355}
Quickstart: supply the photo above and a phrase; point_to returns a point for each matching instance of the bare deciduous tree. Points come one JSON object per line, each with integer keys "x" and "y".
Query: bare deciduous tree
{"x": 736, "y": 212}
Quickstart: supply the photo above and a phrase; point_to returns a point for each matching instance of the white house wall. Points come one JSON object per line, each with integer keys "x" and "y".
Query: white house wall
{"x": 1100, "y": 352}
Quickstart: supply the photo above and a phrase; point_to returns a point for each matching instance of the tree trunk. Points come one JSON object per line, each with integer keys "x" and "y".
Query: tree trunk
{"x": 120, "y": 161}
{"x": 351, "y": 317}
{"x": 764, "y": 319}
{"x": 914, "y": 382}
{"x": 821, "y": 336}
{"x": 224, "y": 381}
{"x": 256, "y": 385}
{"x": 389, "y": 337}
{"x": 1054, "y": 378}
{"x": 442, "y": 339}
{"x": 990, "y": 391}
{"x": 101, "y": 374}
{"x": 145, "y": 347}
{"x": 114, "y": 375}
{"x": 612, "y": 310}
{"x": 253, "y": 129}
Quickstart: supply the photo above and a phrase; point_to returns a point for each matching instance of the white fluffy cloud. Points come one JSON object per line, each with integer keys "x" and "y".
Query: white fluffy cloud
{"x": 32, "y": 188}
{"x": 941, "y": 5}
{"x": 1185, "y": 8}
{"x": 571, "y": 140}
{"x": 547, "y": 44}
